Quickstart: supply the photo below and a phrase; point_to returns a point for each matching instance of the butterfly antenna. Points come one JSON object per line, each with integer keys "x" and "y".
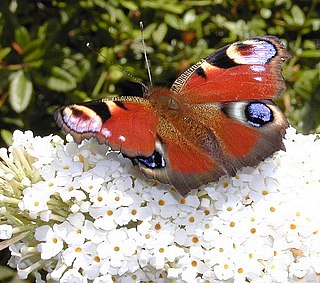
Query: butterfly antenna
{"x": 145, "y": 53}
{"x": 118, "y": 67}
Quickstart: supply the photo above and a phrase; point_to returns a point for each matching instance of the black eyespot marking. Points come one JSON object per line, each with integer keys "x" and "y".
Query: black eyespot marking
{"x": 120, "y": 104}
{"x": 75, "y": 112}
{"x": 258, "y": 114}
{"x": 200, "y": 72}
{"x": 100, "y": 108}
{"x": 221, "y": 59}
{"x": 241, "y": 45}
{"x": 155, "y": 161}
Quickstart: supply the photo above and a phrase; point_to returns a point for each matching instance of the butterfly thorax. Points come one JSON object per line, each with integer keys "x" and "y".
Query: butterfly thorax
{"x": 163, "y": 101}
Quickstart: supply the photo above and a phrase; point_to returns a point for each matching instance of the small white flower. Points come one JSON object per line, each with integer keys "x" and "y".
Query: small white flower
{"x": 105, "y": 217}
{"x": 247, "y": 263}
{"x": 192, "y": 267}
{"x": 90, "y": 232}
{"x": 35, "y": 200}
{"x": 137, "y": 211}
{"x": 224, "y": 270}
{"x": 40, "y": 149}
{"x": 191, "y": 221}
{"x": 163, "y": 203}
{"x": 163, "y": 248}
{"x": 90, "y": 183}
{"x": 277, "y": 267}
{"x": 5, "y": 231}
{"x": 74, "y": 276}
{"x": 117, "y": 199}
{"x": 116, "y": 248}
{"x": 65, "y": 165}
{"x": 83, "y": 256}
{"x": 71, "y": 190}
{"x": 222, "y": 248}
{"x": 51, "y": 240}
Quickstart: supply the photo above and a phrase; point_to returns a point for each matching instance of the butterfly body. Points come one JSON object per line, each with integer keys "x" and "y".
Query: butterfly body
{"x": 215, "y": 119}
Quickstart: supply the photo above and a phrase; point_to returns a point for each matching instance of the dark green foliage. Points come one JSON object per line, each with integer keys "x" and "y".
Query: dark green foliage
{"x": 44, "y": 61}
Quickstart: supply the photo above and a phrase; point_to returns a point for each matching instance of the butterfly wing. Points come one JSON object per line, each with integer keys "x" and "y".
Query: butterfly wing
{"x": 245, "y": 70}
{"x": 127, "y": 124}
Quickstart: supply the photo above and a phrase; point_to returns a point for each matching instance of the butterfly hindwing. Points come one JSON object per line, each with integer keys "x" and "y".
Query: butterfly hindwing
{"x": 214, "y": 140}
{"x": 185, "y": 163}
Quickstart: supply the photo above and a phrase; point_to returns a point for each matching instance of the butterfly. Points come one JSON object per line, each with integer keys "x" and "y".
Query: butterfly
{"x": 216, "y": 118}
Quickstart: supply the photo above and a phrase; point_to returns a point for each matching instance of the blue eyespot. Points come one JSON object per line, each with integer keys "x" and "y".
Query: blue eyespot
{"x": 155, "y": 161}
{"x": 258, "y": 114}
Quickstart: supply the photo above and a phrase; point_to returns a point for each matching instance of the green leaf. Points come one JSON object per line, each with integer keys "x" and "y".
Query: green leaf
{"x": 17, "y": 122}
{"x": 149, "y": 30}
{"x": 310, "y": 53}
{"x": 130, "y": 5}
{"x": 4, "y": 52}
{"x": 173, "y": 21}
{"x": 34, "y": 51}
{"x": 22, "y": 36}
{"x": 35, "y": 64}
{"x": 60, "y": 80}
{"x": 160, "y": 33}
{"x": 198, "y": 3}
{"x": 189, "y": 17}
{"x": 101, "y": 3}
{"x": 173, "y": 8}
{"x": 6, "y": 136}
{"x": 288, "y": 19}
{"x": 20, "y": 91}
{"x": 298, "y": 15}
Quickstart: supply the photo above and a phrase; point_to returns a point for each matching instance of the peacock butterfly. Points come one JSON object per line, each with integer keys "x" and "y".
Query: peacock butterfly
{"x": 216, "y": 118}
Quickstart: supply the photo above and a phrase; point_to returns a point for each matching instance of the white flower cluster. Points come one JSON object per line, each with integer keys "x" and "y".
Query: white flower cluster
{"x": 83, "y": 214}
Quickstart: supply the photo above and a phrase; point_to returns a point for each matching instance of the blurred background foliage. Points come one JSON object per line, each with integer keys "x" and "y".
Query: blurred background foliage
{"x": 45, "y": 63}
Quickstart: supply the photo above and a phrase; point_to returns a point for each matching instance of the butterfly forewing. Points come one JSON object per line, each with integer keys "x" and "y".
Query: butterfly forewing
{"x": 127, "y": 124}
{"x": 248, "y": 69}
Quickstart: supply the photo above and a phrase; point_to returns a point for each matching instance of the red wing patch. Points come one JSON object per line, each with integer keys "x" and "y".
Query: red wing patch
{"x": 127, "y": 126}
{"x": 238, "y": 140}
{"x": 186, "y": 161}
{"x": 243, "y": 82}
